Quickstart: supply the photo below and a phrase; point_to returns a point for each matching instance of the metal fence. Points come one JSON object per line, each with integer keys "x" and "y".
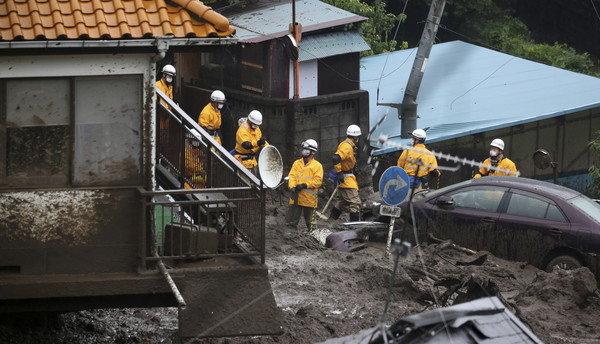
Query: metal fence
{"x": 207, "y": 203}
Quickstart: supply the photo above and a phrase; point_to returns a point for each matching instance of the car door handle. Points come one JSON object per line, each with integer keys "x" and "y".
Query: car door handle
{"x": 488, "y": 220}
{"x": 555, "y": 232}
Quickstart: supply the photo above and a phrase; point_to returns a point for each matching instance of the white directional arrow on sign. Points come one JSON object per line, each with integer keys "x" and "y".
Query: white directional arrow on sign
{"x": 399, "y": 183}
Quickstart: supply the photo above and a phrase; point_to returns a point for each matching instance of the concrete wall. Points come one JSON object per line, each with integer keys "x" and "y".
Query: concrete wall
{"x": 288, "y": 122}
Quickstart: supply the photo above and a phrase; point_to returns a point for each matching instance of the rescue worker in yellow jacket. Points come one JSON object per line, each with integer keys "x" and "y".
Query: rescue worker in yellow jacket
{"x": 210, "y": 117}
{"x": 248, "y": 140}
{"x": 305, "y": 178}
{"x": 165, "y": 84}
{"x": 497, "y": 160}
{"x": 419, "y": 163}
{"x": 344, "y": 161}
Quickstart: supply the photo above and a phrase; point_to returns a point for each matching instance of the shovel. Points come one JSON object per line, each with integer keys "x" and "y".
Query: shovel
{"x": 321, "y": 215}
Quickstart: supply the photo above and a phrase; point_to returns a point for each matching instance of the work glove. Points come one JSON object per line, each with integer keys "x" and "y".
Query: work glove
{"x": 425, "y": 181}
{"x": 293, "y": 190}
{"x": 294, "y": 196}
{"x": 261, "y": 141}
{"x": 301, "y": 186}
{"x": 340, "y": 177}
{"x": 247, "y": 145}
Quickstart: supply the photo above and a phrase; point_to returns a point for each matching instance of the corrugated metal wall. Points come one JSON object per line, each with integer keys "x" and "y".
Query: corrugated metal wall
{"x": 565, "y": 138}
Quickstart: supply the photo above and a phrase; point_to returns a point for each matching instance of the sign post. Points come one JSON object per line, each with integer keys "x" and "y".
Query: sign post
{"x": 393, "y": 187}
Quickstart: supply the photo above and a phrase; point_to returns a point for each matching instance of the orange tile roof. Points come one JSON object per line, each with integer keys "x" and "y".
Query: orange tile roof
{"x": 108, "y": 19}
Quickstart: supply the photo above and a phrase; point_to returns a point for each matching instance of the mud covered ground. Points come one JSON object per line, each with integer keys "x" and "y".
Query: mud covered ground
{"x": 324, "y": 293}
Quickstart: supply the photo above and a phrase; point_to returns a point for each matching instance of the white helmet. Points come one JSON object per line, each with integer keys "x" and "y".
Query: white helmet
{"x": 353, "y": 130}
{"x": 498, "y": 143}
{"x": 169, "y": 70}
{"x": 310, "y": 144}
{"x": 255, "y": 117}
{"x": 419, "y": 134}
{"x": 217, "y": 97}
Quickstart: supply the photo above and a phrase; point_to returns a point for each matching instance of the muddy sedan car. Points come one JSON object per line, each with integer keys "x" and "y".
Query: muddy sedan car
{"x": 519, "y": 219}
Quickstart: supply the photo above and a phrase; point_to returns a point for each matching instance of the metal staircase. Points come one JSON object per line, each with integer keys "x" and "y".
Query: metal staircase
{"x": 205, "y": 232}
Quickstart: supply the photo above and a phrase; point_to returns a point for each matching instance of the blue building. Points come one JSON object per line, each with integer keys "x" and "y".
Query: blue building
{"x": 470, "y": 95}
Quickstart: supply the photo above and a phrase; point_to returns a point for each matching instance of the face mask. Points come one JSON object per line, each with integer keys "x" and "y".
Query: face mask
{"x": 493, "y": 153}
{"x": 169, "y": 79}
{"x": 253, "y": 126}
{"x": 219, "y": 106}
{"x": 305, "y": 153}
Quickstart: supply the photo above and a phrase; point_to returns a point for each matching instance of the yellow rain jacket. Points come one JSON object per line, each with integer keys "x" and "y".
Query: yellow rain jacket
{"x": 409, "y": 158}
{"x": 246, "y": 133}
{"x": 504, "y": 163}
{"x": 168, "y": 90}
{"x": 312, "y": 175}
{"x": 210, "y": 120}
{"x": 346, "y": 151}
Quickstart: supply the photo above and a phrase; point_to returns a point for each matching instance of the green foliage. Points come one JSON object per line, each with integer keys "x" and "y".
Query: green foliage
{"x": 492, "y": 26}
{"x": 594, "y": 171}
{"x": 558, "y": 55}
{"x": 378, "y": 29}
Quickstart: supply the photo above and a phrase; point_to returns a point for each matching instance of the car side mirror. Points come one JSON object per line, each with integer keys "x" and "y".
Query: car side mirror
{"x": 444, "y": 201}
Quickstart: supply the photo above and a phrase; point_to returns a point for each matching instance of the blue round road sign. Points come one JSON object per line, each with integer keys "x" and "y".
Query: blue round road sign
{"x": 394, "y": 185}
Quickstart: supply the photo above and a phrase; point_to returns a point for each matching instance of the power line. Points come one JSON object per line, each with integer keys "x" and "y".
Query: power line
{"x": 402, "y": 15}
{"x": 390, "y": 50}
{"x": 595, "y": 10}
{"x": 479, "y": 83}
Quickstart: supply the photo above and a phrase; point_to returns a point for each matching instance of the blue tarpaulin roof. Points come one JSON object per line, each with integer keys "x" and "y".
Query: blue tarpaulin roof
{"x": 467, "y": 89}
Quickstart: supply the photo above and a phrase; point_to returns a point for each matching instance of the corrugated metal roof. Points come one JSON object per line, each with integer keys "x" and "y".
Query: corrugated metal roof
{"x": 331, "y": 44}
{"x": 265, "y": 23}
{"x": 485, "y": 320}
{"x": 467, "y": 89}
{"x": 108, "y": 19}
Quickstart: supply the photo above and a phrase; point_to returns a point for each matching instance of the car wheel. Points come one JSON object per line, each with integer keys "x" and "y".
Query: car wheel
{"x": 563, "y": 263}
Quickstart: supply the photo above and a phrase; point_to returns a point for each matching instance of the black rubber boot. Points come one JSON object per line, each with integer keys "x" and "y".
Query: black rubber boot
{"x": 354, "y": 217}
{"x": 335, "y": 213}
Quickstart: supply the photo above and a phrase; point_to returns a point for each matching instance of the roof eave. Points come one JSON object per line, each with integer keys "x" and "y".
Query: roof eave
{"x": 380, "y": 150}
{"x": 120, "y": 43}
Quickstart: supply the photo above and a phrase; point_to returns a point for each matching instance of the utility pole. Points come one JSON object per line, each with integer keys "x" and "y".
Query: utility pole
{"x": 408, "y": 109}
{"x": 296, "y": 63}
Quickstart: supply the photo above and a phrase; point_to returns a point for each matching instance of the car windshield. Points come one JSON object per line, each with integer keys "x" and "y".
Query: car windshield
{"x": 587, "y": 206}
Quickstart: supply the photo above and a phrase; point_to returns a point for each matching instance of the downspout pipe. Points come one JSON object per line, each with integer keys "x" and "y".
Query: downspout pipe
{"x": 162, "y": 45}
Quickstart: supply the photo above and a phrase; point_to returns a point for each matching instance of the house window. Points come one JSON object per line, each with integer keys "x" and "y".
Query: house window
{"x": 37, "y": 130}
{"x": 107, "y": 131}
{"x": 70, "y": 131}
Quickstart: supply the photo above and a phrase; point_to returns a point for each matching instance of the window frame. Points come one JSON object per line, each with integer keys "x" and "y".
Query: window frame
{"x": 64, "y": 180}
{"x": 478, "y": 188}
{"x": 537, "y": 197}
{"x": 33, "y": 181}
{"x": 3, "y": 136}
